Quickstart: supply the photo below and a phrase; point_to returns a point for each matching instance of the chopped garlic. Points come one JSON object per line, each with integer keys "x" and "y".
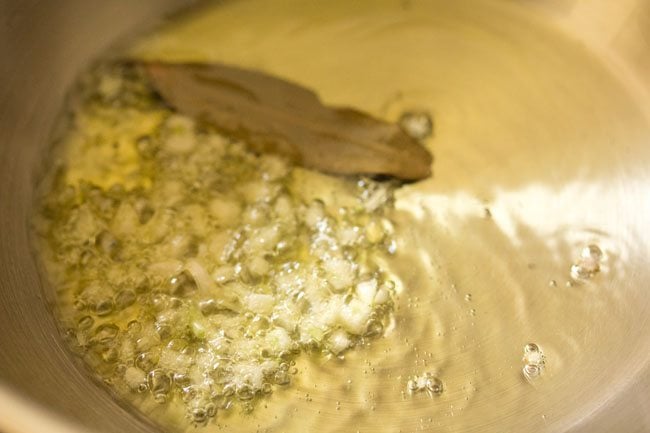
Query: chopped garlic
{"x": 126, "y": 221}
{"x": 259, "y": 303}
{"x": 203, "y": 280}
{"x": 180, "y": 144}
{"x": 225, "y": 211}
{"x": 278, "y": 341}
{"x": 339, "y": 341}
{"x": 202, "y": 266}
{"x": 354, "y": 316}
{"x": 135, "y": 378}
{"x": 367, "y": 290}
{"x": 340, "y": 273}
{"x": 258, "y": 266}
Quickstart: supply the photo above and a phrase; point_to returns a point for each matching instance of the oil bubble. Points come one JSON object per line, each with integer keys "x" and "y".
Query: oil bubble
{"x": 245, "y": 392}
{"x": 534, "y": 361}
{"x": 110, "y": 355}
{"x": 580, "y": 271}
{"x": 588, "y": 264}
{"x": 146, "y": 361}
{"x": 417, "y": 124}
{"x": 434, "y": 385}
{"x": 531, "y": 371}
{"x": 282, "y": 378}
{"x": 199, "y": 415}
{"x": 85, "y": 322}
{"x": 106, "y": 333}
{"x": 124, "y": 299}
{"x": 211, "y": 409}
{"x": 134, "y": 327}
{"x": 159, "y": 384}
{"x": 591, "y": 252}
{"x": 103, "y": 307}
{"x": 531, "y": 347}
{"x": 426, "y": 382}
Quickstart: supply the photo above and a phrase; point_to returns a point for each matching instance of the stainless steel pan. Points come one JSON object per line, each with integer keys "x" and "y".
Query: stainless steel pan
{"x": 43, "y": 45}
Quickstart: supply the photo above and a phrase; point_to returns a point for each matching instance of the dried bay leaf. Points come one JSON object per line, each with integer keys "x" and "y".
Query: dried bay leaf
{"x": 277, "y": 116}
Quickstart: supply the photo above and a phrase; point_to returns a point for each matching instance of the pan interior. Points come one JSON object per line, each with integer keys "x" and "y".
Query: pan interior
{"x": 540, "y": 151}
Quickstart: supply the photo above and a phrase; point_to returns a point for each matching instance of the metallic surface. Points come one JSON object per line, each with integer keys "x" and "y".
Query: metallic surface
{"x": 572, "y": 168}
{"x": 43, "y": 46}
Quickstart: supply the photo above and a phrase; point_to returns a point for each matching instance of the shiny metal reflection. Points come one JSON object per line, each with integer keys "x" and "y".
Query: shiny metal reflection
{"x": 572, "y": 170}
